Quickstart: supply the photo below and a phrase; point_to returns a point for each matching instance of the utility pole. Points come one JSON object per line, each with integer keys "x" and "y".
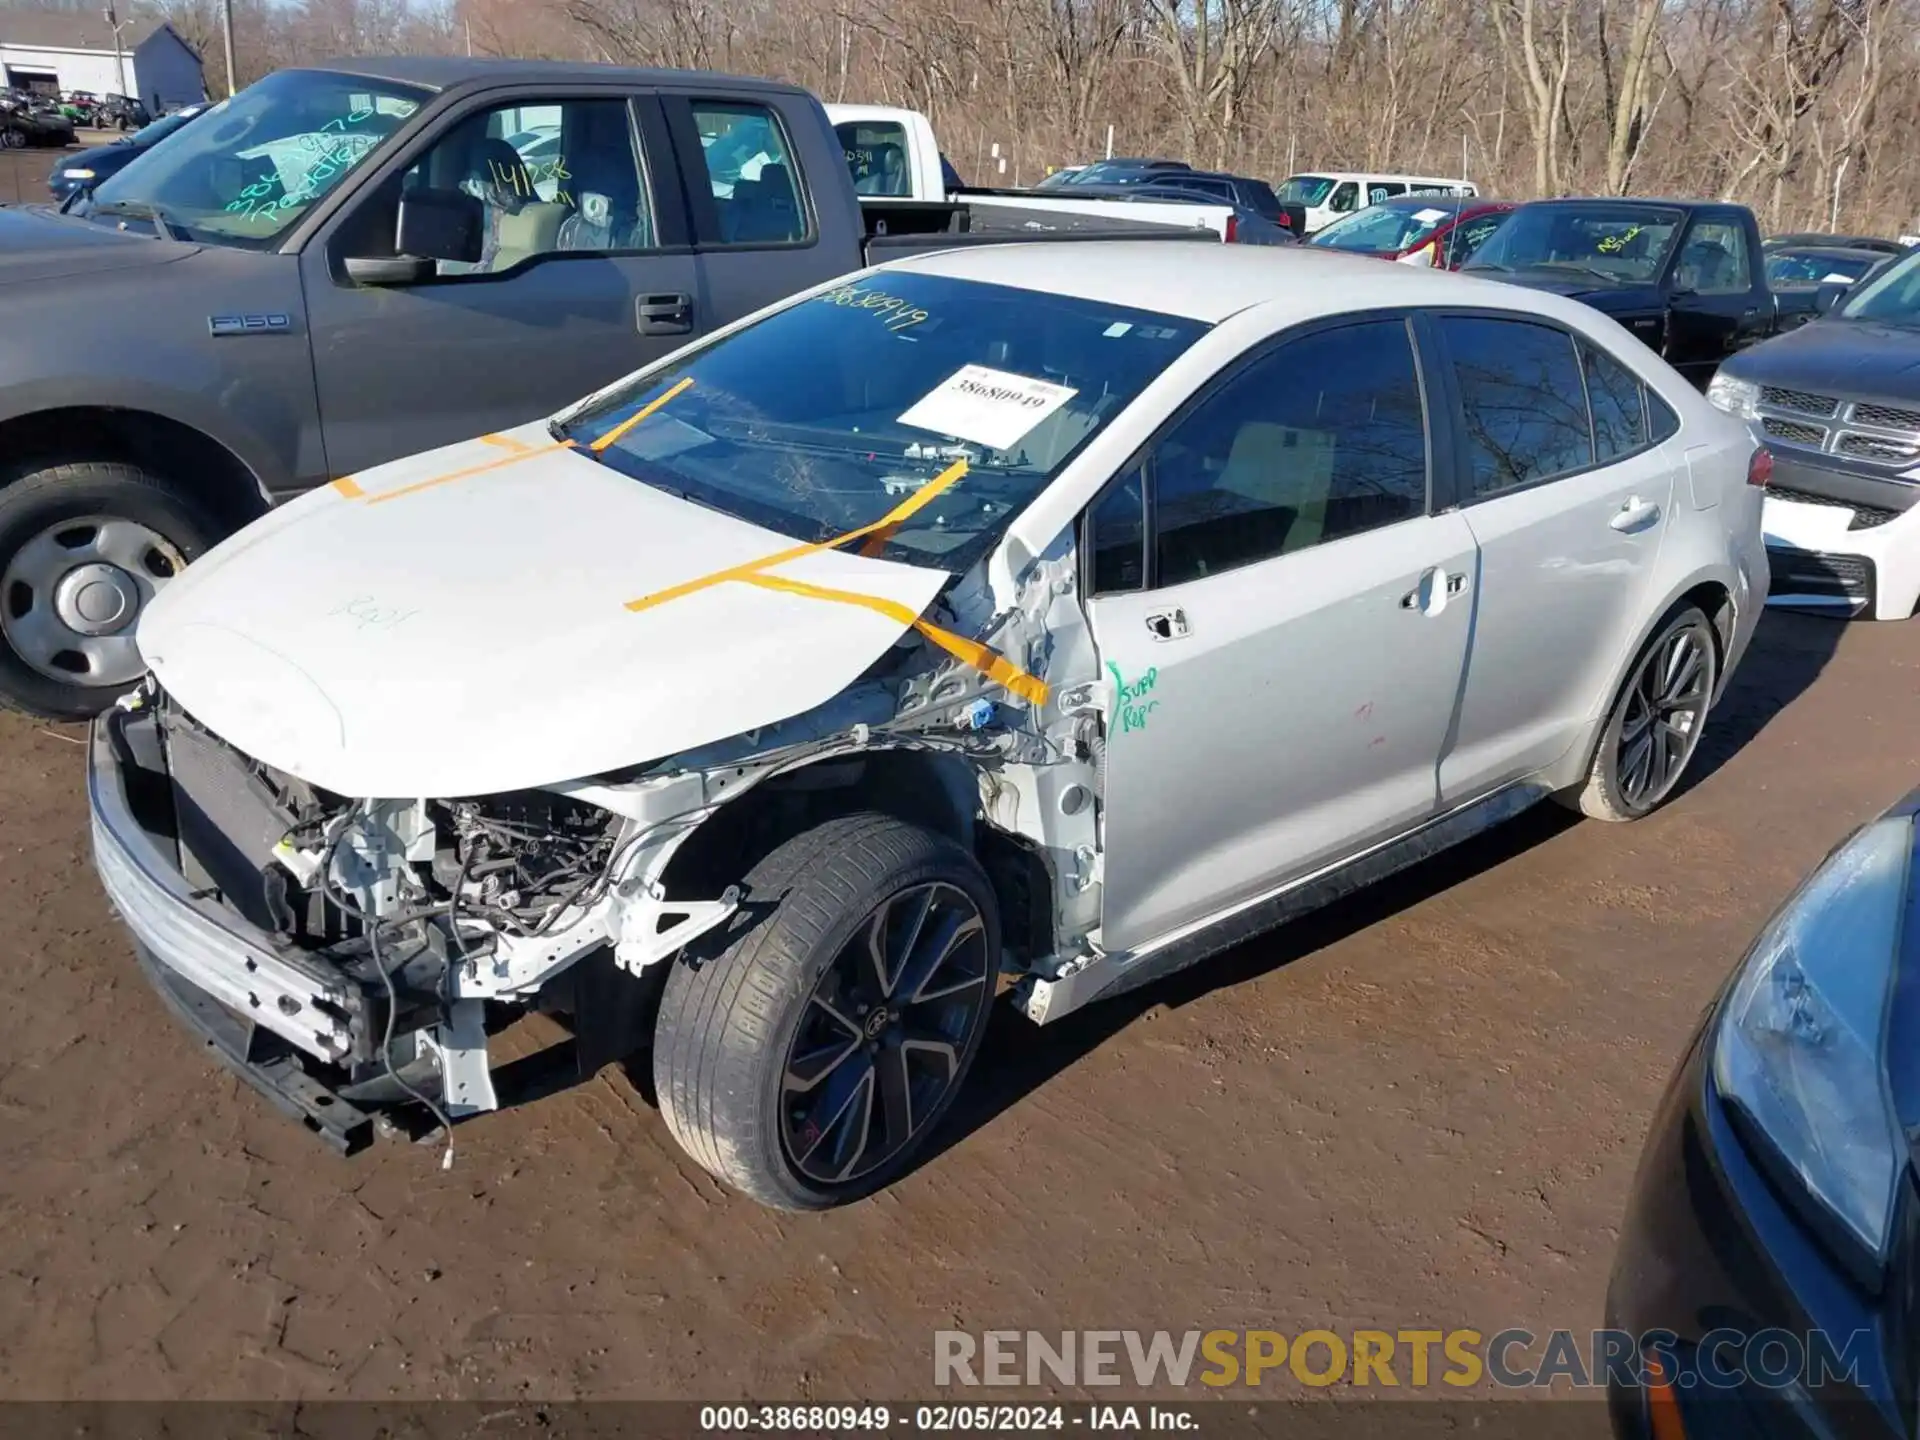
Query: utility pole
{"x": 119, "y": 55}
{"x": 226, "y": 36}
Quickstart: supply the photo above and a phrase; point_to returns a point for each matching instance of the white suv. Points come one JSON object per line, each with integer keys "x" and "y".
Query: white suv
{"x": 1058, "y": 613}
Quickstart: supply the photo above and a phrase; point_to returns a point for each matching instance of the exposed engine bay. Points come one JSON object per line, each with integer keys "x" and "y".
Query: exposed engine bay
{"x": 421, "y": 919}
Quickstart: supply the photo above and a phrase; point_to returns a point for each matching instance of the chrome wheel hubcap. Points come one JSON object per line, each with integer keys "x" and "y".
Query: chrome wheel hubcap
{"x": 879, "y": 1048}
{"x": 1665, "y": 706}
{"x": 70, "y": 596}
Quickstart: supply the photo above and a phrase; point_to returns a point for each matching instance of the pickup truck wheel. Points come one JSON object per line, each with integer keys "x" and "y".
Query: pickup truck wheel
{"x": 1656, "y": 722}
{"x": 84, "y": 546}
{"x": 807, "y": 1063}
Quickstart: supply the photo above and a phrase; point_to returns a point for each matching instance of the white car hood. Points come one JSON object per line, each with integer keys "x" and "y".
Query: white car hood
{"x": 472, "y": 636}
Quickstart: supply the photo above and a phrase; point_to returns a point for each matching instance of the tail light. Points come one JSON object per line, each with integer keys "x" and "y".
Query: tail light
{"x": 1760, "y": 468}
{"x": 1233, "y": 228}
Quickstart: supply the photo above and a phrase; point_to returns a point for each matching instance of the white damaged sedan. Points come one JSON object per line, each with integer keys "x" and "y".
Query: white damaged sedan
{"x": 1036, "y": 617}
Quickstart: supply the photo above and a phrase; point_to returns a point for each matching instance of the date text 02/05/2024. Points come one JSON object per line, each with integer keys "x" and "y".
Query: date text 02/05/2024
{"x": 940, "y": 1419}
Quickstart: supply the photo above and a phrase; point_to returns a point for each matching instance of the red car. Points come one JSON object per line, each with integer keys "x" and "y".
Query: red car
{"x": 1438, "y": 231}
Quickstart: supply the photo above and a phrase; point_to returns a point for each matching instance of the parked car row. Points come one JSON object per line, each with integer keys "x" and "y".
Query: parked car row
{"x": 27, "y": 119}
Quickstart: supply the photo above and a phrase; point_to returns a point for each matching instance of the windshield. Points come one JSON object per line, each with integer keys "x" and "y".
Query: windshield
{"x": 1385, "y": 229}
{"x": 824, "y": 416}
{"x": 249, "y": 167}
{"x": 1308, "y": 190}
{"x": 1892, "y": 296}
{"x": 1119, "y": 175}
{"x": 1627, "y": 243}
{"x": 1798, "y": 267}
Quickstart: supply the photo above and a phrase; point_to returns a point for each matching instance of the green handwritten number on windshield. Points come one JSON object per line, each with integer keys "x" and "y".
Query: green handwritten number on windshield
{"x": 1132, "y": 707}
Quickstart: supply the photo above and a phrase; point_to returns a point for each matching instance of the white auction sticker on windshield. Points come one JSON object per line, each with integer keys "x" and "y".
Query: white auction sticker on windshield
{"x": 990, "y": 407}
{"x": 1427, "y": 217}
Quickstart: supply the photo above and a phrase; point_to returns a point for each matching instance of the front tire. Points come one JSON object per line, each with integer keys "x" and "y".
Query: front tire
{"x": 84, "y": 547}
{"x": 807, "y": 1063}
{"x": 1656, "y": 723}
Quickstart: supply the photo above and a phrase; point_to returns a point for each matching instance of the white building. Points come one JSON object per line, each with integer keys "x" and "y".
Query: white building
{"x": 51, "y": 51}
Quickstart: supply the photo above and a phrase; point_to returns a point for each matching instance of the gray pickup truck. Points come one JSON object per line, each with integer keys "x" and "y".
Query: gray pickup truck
{"x": 347, "y": 264}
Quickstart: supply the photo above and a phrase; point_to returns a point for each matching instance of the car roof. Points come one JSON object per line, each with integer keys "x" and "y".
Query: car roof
{"x": 1465, "y": 204}
{"x": 1160, "y": 275}
{"x": 446, "y": 72}
{"x": 1629, "y": 202}
{"x": 1833, "y": 252}
{"x": 1378, "y": 175}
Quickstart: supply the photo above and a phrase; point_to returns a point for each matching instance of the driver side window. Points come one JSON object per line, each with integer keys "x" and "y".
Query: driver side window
{"x": 1714, "y": 260}
{"x": 553, "y": 177}
{"x": 1343, "y": 197}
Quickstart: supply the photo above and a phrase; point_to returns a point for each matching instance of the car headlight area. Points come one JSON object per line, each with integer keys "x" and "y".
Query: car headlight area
{"x": 1800, "y": 1054}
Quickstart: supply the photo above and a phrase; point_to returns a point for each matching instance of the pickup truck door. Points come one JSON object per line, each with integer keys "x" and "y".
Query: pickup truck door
{"x": 1283, "y": 628}
{"x": 585, "y": 275}
{"x": 1719, "y": 300}
{"x": 772, "y": 202}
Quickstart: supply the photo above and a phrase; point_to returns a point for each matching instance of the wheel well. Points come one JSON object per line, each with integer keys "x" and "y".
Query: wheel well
{"x": 220, "y": 480}
{"x": 936, "y": 792}
{"x": 1714, "y": 599}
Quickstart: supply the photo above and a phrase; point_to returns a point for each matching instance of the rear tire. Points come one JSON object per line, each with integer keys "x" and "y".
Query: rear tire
{"x": 789, "y": 1065}
{"x": 1656, "y": 722}
{"x": 84, "y": 545}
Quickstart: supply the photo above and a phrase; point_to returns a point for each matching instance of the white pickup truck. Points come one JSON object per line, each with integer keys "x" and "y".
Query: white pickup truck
{"x": 894, "y": 155}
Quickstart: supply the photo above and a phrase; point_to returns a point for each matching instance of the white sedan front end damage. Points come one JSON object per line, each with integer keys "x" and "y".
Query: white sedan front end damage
{"x": 730, "y": 667}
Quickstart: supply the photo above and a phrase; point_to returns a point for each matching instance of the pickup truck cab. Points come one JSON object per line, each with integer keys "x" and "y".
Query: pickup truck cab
{"x": 1686, "y": 277}
{"x": 1314, "y": 201}
{"x": 346, "y": 264}
{"x": 892, "y": 153}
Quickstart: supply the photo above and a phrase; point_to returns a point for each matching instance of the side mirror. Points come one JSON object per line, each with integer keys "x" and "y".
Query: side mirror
{"x": 1827, "y": 297}
{"x": 440, "y": 225}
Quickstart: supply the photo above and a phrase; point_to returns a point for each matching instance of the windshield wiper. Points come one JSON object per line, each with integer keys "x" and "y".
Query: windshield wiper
{"x": 1576, "y": 265}
{"x": 139, "y": 210}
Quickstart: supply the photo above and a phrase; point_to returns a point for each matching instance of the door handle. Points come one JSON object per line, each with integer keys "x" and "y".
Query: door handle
{"x": 1167, "y": 624}
{"x": 664, "y": 314}
{"x": 1435, "y": 589}
{"x": 1636, "y": 514}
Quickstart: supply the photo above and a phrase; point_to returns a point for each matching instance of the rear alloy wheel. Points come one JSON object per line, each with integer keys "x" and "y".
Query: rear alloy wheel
{"x": 84, "y": 549}
{"x": 13, "y": 139}
{"x": 1656, "y": 723}
{"x": 807, "y": 1063}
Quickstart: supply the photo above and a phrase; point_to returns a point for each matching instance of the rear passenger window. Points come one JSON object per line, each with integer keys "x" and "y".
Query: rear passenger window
{"x": 1524, "y": 403}
{"x": 750, "y": 171}
{"x": 1322, "y": 438}
{"x": 1619, "y": 415}
{"x": 1665, "y": 424}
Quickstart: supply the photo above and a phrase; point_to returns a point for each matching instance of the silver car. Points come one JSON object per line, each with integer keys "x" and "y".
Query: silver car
{"x": 1037, "y": 616}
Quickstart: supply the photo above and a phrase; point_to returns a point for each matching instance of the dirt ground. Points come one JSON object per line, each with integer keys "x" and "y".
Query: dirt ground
{"x": 1420, "y": 1108}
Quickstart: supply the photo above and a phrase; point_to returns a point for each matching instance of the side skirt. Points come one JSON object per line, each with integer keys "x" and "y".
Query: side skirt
{"x": 1101, "y": 976}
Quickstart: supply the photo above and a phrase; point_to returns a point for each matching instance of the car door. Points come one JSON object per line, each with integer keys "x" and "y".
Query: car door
{"x": 1568, "y": 496}
{"x": 1717, "y": 306}
{"x": 584, "y": 276}
{"x": 756, "y": 235}
{"x": 1283, "y": 625}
